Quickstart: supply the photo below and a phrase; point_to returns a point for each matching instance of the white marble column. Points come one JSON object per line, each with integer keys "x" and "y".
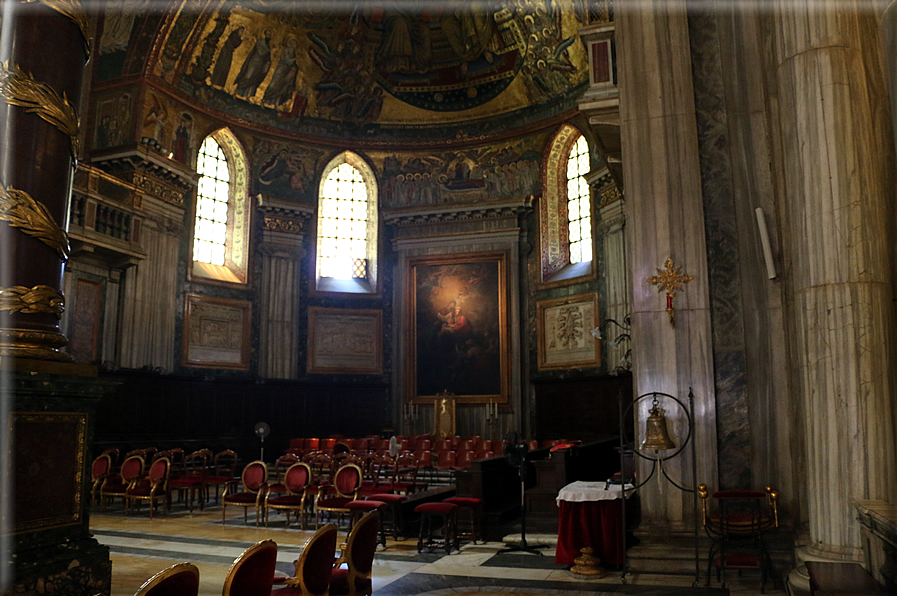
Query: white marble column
{"x": 281, "y": 255}
{"x": 150, "y": 290}
{"x": 611, "y": 231}
{"x": 664, "y": 218}
{"x": 837, "y": 159}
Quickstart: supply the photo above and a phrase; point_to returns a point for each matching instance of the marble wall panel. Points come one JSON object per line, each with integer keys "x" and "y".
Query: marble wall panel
{"x": 279, "y": 324}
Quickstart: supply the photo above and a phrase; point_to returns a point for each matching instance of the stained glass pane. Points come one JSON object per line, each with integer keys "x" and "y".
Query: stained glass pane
{"x": 213, "y": 192}
{"x": 579, "y": 202}
{"x": 343, "y": 222}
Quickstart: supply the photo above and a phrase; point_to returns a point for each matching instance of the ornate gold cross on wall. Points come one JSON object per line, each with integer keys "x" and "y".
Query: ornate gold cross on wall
{"x": 669, "y": 279}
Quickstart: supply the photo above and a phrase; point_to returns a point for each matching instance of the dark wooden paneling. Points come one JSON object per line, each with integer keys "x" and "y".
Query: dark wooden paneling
{"x": 166, "y": 411}
{"x": 583, "y": 408}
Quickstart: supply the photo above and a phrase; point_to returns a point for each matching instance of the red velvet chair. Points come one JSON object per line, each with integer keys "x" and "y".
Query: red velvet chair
{"x": 445, "y": 461}
{"x": 117, "y": 486}
{"x": 463, "y": 459}
{"x": 313, "y": 567}
{"x": 475, "y": 441}
{"x": 483, "y": 455}
{"x": 498, "y": 448}
{"x": 360, "y": 446}
{"x": 193, "y": 479}
{"x": 345, "y": 488}
{"x": 466, "y": 445}
{"x": 281, "y": 464}
{"x": 100, "y": 469}
{"x": 312, "y": 444}
{"x": 443, "y": 445}
{"x": 252, "y": 573}
{"x": 423, "y": 444}
{"x": 254, "y": 478}
{"x": 181, "y": 579}
{"x": 358, "y": 556}
{"x": 155, "y": 489}
{"x": 405, "y": 477}
{"x": 532, "y": 444}
{"x": 225, "y": 464}
{"x": 295, "y": 483}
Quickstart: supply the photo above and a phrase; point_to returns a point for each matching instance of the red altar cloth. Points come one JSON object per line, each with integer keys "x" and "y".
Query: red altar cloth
{"x": 598, "y": 524}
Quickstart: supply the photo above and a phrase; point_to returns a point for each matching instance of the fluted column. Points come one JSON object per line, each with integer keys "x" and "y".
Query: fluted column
{"x": 837, "y": 157}
{"x": 664, "y": 218}
{"x": 279, "y": 324}
{"x": 150, "y": 290}
{"x": 43, "y": 55}
{"x": 618, "y": 295}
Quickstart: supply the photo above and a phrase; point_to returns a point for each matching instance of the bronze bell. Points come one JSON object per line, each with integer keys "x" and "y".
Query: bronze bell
{"x": 656, "y": 436}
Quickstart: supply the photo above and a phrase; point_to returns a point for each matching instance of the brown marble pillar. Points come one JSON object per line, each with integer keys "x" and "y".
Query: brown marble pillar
{"x": 40, "y": 83}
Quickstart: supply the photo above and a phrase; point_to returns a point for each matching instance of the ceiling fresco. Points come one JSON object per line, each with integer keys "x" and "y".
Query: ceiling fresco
{"x": 380, "y": 69}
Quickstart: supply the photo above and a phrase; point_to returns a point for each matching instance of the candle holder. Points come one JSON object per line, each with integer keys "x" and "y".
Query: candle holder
{"x": 410, "y": 414}
{"x": 491, "y": 416}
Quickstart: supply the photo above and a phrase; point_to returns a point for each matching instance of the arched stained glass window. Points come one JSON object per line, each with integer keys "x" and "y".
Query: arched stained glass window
{"x": 210, "y": 231}
{"x": 347, "y": 226}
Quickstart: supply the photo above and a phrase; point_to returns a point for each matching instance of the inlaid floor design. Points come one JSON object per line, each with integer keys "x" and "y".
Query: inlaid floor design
{"x": 140, "y": 547}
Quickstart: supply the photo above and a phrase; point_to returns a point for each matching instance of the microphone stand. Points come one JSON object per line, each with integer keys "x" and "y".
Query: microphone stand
{"x": 522, "y": 546}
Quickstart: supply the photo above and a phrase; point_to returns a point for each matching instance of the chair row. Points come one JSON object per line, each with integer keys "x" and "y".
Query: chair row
{"x": 317, "y": 572}
{"x": 169, "y": 470}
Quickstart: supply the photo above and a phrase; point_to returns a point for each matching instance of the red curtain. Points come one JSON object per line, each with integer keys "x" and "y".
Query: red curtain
{"x": 598, "y": 524}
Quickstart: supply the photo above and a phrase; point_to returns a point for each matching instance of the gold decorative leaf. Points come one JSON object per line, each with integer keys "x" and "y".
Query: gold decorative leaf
{"x": 21, "y": 211}
{"x": 73, "y": 10}
{"x": 20, "y": 89}
{"x": 39, "y": 299}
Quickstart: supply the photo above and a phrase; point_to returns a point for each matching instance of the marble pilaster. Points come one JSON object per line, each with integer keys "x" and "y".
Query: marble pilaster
{"x": 150, "y": 290}
{"x": 664, "y": 215}
{"x": 617, "y": 305}
{"x": 279, "y": 324}
{"x": 838, "y": 219}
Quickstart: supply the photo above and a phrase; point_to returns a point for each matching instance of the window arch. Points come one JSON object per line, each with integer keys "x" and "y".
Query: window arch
{"x": 220, "y": 247}
{"x": 347, "y": 226}
{"x": 566, "y": 208}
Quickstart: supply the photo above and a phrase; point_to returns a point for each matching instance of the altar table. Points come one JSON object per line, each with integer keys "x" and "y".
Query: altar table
{"x": 590, "y": 515}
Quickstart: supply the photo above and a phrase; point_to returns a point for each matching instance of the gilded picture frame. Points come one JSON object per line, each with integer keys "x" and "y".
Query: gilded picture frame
{"x": 457, "y": 325}
{"x": 564, "y": 328}
{"x": 216, "y": 332}
{"x": 345, "y": 341}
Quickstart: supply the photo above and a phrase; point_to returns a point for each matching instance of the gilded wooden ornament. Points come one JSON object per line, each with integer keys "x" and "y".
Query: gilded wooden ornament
{"x": 20, "y": 210}
{"x": 38, "y": 345}
{"x": 20, "y": 89}
{"x": 669, "y": 279}
{"x": 74, "y": 11}
{"x": 39, "y": 299}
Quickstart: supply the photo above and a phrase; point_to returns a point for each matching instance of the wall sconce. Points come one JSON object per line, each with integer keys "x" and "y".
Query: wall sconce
{"x": 410, "y": 413}
{"x": 491, "y": 412}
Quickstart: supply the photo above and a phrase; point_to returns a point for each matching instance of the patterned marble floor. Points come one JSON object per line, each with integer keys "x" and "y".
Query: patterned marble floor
{"x": 140, "y": 548}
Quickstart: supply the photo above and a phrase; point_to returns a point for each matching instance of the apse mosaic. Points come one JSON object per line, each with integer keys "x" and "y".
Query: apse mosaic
{"x": 386, "y": 63}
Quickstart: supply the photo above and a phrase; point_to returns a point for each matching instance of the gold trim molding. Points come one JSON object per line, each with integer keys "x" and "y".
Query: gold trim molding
{"x": 20, "y": 89}
{"x": 29, "y": 301}
{"x": 39, "y": 345}
{"x": 74, "y": 11}
{"x": 20, "y": 210}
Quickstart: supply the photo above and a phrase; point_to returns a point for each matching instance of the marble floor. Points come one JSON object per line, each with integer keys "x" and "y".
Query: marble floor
{"x": 140, "y": 547}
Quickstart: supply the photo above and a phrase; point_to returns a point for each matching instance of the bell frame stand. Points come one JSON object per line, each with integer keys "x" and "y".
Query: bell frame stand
{"x": 657, "y": 462}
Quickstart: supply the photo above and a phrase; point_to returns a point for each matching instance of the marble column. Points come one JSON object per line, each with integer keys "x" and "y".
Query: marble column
{"x": 150, "y": 291}
{"x": 611, "y": 231}
{"x": 664, "y": 217}
{"x": 43, "y": 55}
{"x": 279, "y": 324}
{"x": 837, "y": 158}
{"x": 889, "y": 31}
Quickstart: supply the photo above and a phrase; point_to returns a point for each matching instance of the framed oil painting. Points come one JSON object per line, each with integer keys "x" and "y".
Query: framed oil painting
{"x": 565, "y": 332}
{"x": 345, "y": 341}
{"x": 458, "y": 323}
{"x": 216, "y": 332}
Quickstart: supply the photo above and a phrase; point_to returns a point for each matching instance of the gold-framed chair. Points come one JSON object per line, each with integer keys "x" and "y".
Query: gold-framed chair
{"x": 345, "y": 488}
{"x": 155, "y": 487}
{"x": 295, "y": 484}
{"x": 181, "y": 579}
{"x": 100, "y": 469}
{"x": 117, "y": 486}
{"x": 224, "y": 472}
{"x": 254, "y": 480}
{"x": 358, "y": 557}
{"x": 314, "y": 566}
{"x": 252, "y": 573}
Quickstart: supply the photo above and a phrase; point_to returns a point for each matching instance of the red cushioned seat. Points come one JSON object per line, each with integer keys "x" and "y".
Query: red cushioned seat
{"x": 367, "y": 505}
{"x": 287, "y": 500}
{"x": 339, "y": 583}
{"x": 464, "y": 501}
{"x": 388, "y": 498}
{"x": 241, "y": 498}
{"x": 334, "y": 502}
{"x": 436, "y": 508}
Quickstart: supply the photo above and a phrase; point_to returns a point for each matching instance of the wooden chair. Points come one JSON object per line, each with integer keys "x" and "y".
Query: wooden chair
{"x": 100, "y": 469}
{"x": 193, "y": 479}
{"x": 181, "y": 579}
{"x": 313, "y": 567}
{"x": 117, "y": 486}
{"x": 295, "y": 483}
{"x": 358, "y": 556}
{"x": 345, "y": 488}
{"x": 225, "y": 466}
{"x": 156, "y": 487}
{"x": 254, "y": 478}
{"x": 252, "y": 573}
